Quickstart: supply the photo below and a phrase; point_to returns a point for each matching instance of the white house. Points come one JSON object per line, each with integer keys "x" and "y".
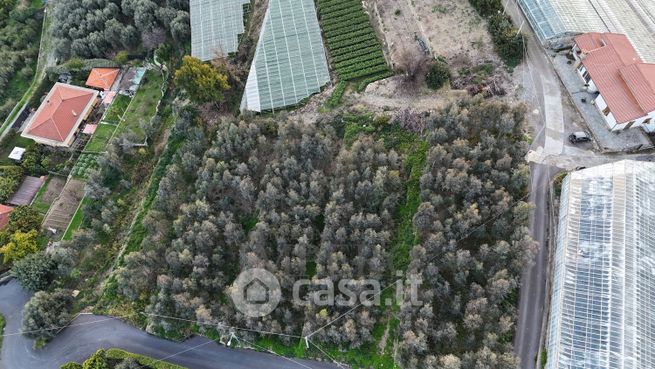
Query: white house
{"x": 609, "y": 65}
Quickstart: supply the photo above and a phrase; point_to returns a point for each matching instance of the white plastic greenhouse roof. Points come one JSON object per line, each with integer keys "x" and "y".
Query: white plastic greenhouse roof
{"x": 603, "y": 291}
{"x": 552, "y": 19}
{"x": 215, "y": 27}
{"x": 290, "y": 62}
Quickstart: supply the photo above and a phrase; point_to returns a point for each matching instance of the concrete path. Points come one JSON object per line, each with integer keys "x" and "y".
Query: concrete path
{"x": 89, "y": 333}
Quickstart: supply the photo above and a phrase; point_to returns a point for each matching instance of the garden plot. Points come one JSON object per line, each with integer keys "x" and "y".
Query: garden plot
{"x": 48, "y": 193}
{"x": 62, "y": 210}
{"x": 85, "y": 165}
{"x": 354, "y": 47}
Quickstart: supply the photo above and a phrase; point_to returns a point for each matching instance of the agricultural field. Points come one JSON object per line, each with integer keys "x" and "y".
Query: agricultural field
{"x": 354, "y": 48}
{"x": 100, "y": 138}
{"x": 85, "y": 165}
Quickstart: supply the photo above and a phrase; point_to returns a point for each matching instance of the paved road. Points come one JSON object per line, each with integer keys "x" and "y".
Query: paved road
{"x": 88, "y": 333}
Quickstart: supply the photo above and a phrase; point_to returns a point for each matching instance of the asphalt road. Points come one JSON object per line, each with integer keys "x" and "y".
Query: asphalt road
{"x": 89, "y": 333}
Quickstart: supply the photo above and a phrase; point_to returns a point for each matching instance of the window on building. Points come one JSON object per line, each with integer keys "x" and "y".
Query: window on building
{"x": 586, "y": 76}
{"x": 606, "y": 111}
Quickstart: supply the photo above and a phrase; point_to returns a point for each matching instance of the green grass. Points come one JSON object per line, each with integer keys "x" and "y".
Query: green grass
{"x": 38, "y": 204}
{"x": 144, "y": 104}
{"x": 117, "y": 108}
{"x": 11, "y": 140}
{"x": 76, "y": 222}
{"x": 100, "y": 138}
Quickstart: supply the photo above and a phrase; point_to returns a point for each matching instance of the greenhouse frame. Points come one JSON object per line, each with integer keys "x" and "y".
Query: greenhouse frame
{"x": 215, "y": 27}
{"x": 556, "y": 21}
{"x": 290, "y": 63}
{"x": 602, "y": 311}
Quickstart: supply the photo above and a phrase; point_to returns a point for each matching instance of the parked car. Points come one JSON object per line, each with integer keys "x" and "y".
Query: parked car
{"x": 577, "y": 137}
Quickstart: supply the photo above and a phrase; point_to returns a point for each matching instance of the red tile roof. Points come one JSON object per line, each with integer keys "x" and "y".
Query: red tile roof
{"x": 626, "y": 83}
{"x": 4, "y": 215}
{"x": 102, "y": 78}
{"x": 60, "y": 113}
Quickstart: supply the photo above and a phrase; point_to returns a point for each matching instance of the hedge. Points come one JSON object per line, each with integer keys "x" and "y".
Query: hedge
{"x": 117, "y": 354}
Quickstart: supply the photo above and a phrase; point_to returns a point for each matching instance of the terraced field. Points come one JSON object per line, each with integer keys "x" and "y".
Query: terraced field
{"x": 354, "y": 48}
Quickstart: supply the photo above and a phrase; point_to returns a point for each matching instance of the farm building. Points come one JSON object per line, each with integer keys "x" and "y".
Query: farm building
{"x": 610, "y": 66}
{"x": 62, "y": 111}
{"x": 102, "y": 78}
{"x": 290, "y": 62}
{"x": 4, "y": 215}
{"x": 556, "y": 22}
{"x": 216, "y": 26}
{"x": 602, "y": 310}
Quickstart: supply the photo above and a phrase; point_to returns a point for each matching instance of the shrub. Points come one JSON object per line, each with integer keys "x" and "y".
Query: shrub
{"x": 35, "y": 271}
{"x": 24, "y": 218}
{"x": 10, "y": 177}
{"x": 121, "y": 57}
{"x": 97, "y": 361}
{"x": 438, "y": 74}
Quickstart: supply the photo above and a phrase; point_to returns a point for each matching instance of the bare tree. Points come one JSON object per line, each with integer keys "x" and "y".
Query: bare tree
{"x": 413, "y": 65}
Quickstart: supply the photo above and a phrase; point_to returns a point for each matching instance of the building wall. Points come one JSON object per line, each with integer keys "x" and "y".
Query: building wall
{"x": 613, "y": 125}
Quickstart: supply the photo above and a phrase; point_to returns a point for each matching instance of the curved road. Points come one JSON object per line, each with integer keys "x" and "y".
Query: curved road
{"x": 91, "y": 332}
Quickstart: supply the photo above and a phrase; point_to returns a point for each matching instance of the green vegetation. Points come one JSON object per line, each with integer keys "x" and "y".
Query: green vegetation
{"x": 355, "y": 50}
{"x": 117, "y": 109}
{"x": 202, "y": 81}
{"x": 116, "y": 354}
{"x": 143, "y": 106}
{"x": 10, "y": 178}
{"x": 544, "y": 358}
{"x": 39, "y": 204}
{"x": 507, "y": 38}
{"x": 20, "y": 27}
{"x": 100, "y": 138}
{"x": 11, "y": 140}
{"x": 85, "y": 165}
{"x": 438, "y": 75}
{"x": 337, "y": 94}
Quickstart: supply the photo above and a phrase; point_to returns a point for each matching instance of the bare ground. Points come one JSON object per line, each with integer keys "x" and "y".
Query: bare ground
{"x": 61, "y": 212}
{"x": 53, "y": 190}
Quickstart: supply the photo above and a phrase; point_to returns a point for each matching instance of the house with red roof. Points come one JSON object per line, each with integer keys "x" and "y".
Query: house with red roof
{"x": 56, "y": 121}
{"x": 610, "y": 66}
{"x": 102, "y": 78}
{"x": 4, "y": 215}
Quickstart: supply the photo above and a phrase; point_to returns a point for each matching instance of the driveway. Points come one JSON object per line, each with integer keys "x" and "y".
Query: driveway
{"x": 89, "y": 333}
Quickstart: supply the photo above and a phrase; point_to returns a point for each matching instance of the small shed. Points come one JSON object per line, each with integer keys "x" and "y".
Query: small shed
{"x": 17, "y": 153}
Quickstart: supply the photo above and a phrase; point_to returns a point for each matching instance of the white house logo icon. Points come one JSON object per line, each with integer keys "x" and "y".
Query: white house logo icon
{"x": 256, "y": 292}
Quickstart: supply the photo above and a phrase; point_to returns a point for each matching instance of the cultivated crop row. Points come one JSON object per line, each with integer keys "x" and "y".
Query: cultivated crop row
{"x": 351, "y": 40}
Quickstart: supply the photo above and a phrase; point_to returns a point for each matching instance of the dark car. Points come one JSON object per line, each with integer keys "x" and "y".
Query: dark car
{"x": 577, "y": 137}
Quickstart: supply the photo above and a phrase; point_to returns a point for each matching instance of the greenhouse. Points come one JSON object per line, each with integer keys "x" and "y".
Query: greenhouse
{"x": 603, "y": 285}
{"x": 556, "y": 21}
{"x": 290, "y": 62}
{"x": 216, "y": 26}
